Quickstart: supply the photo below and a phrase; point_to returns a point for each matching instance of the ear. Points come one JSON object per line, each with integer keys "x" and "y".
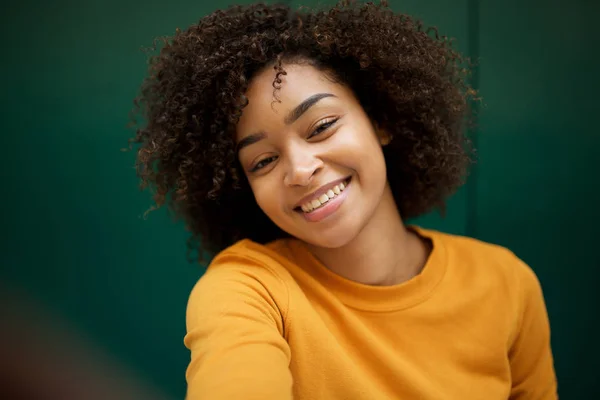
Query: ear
{"x": 384, "y": 137}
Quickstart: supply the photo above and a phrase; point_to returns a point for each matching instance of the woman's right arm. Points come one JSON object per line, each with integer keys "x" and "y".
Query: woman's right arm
{"x": 235, "y": 335}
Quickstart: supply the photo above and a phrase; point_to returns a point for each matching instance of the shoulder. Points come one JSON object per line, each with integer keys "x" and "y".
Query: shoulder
{"x": 476, "y": 256}
{"x": 270, "y": 256}
{"x": 244, "y": 273}
{"x": 252, "y": 260}
{"x": 493, "y": 275}
{"x": 468, "y": 246}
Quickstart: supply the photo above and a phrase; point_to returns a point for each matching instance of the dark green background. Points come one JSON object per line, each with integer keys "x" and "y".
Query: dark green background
{"x": 74, "y": 239}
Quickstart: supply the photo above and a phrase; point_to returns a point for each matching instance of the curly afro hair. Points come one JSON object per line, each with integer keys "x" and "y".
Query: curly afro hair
{"x": 410, "y": 81}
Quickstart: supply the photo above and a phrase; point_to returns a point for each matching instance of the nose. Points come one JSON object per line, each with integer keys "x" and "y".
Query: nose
{"x": 302, "y": 166}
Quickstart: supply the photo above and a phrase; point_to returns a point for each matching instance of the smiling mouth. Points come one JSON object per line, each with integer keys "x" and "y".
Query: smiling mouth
{"x": 323, "y": 199}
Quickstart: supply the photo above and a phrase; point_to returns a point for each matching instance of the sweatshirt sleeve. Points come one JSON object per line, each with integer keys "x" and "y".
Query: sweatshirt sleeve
{"x": 235, "y": 332}
{"x": 531, "y": 361}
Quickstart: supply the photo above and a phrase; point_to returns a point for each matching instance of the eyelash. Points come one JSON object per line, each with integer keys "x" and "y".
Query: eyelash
{"x": 326, "y": 125}
{"x": 323, "y": 125}
{"x": 257, "y": 165}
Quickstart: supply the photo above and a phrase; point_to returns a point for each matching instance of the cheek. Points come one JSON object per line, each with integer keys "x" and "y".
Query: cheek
{"x": 365, "y": 157}
{"x": 267, "y": 196}
{"x": 359, "y": 149}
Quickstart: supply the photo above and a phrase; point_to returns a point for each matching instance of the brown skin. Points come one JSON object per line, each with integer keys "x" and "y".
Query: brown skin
{"x": 410, "y": 84}
{"x": 364, "y": 239}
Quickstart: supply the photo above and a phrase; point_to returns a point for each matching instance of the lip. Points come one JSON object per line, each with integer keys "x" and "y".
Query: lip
{"x": 329, "y": 208}
{"x": 322, "y": 190}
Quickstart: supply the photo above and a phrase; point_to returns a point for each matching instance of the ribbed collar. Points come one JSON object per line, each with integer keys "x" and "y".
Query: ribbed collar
{"x": 380, "y": 298}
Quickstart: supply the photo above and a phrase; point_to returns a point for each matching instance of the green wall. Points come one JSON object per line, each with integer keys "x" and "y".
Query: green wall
{"x": 74, "y": 240}
{"x": 537, "y": 186}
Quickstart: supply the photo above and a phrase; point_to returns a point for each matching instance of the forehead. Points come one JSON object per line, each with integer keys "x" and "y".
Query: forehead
{"x": 299, "y": 80}
{"x": 299, "y": 83}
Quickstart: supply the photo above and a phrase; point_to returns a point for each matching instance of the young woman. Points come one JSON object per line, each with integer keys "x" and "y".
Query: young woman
{"x": 295, "y": 145}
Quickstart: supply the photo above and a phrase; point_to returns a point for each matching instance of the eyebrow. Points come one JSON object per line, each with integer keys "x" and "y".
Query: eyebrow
{"x": 250, "y": 139}
{"x": 289, "y": 119}
{"x": 304, "y": 106}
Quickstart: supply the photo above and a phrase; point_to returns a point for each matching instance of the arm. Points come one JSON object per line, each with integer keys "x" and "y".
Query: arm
{"x": 235, "y": 335}
{"x": 531, "y": 361}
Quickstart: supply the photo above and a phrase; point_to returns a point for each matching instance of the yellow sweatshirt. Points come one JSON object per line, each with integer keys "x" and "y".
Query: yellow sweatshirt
{"x": 271, "y": 322}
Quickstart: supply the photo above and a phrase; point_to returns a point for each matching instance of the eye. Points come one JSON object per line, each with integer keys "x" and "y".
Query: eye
{"x": 323, "y": 126}
{"x": 263, "y": 163}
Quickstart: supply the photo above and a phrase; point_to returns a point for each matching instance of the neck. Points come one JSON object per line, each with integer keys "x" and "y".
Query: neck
{"x": 384, "y": 253}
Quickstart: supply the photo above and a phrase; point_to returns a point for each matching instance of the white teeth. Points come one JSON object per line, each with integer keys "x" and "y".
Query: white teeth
{"x": 324, "y": 198}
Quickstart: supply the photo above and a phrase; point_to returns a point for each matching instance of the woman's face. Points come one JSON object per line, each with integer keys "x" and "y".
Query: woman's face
{"x": 313, "y": 160}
